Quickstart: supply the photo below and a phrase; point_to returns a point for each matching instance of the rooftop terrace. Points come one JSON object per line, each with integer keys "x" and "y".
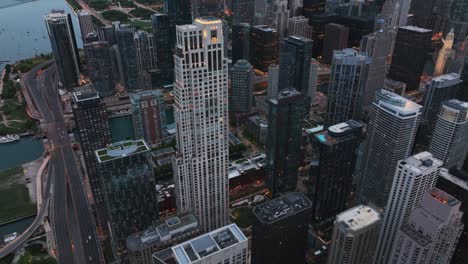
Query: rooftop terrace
{"x": 121, "y": 149}
{"x": 282, "y": 207}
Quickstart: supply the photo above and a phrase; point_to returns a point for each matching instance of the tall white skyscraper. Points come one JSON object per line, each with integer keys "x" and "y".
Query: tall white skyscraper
{"x": 355, "y": 235}
{"x": 86, "y": 24}
{"x": 201, "y": 116}
{"x": 414, "y": 176}
{"x": 450, "y": 138}
{"x": 444, "y": 54}
{"x": 299, "y": 26}
{"x": 395, "y": 12}
{"x": 432, "y": 232}
{"x": 280, "y": 17}
{"x": 393, "y": 123}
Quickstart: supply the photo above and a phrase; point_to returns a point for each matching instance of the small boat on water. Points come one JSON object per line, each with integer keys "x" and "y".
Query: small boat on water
{"x": 10, "y": 237}
{"x": 9, "y": 138}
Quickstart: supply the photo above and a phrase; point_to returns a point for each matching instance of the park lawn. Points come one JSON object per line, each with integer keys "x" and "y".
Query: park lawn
{"x": 28, "y": 64}
{"x": 149, "y": 2}
{"x": 114, "y": 15}
{"x": 141, "y": 25}
{"x": 243, "y": 216}
{"x": 142, "y": 13}
{"x": 14, "y": 197}
{"x": 14, "y": 111}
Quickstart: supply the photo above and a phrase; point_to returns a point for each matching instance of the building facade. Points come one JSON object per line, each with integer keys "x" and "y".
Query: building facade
{"x": 240, "y": 42}
{"x": 128, "y": 57}
{"x": 279, "y": 232}
{"x": 201, "y": 117}
{"x": 273, "y": 77}
{"x": 244, "y": 11}
{"x": 445, "y": 53}
{"x": 299, "y": 26}
{"x": 393, "y": 124}
{"x": 280, "y": 17}
{"x": 355, "y": 234}
{"x": 86, "y": 24}
{"x": 98, "y": 56}
{"x": 164, "y": 29}
{"x": 241, "y": 94}
{"x": 149, "y": 116}
{"x": 263, "y": 47}
{"x": 336, "y": 38}
{"x": 413, "y": 177}
{"x": 450, "y": 138}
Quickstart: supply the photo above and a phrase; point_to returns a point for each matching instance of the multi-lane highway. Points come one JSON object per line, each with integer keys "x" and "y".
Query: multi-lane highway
{"x": 71, "y": 217}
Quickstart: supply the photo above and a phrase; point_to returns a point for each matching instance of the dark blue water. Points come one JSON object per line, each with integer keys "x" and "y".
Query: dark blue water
{"x": 25, "y": 150}
{"x": 18, "y": 226}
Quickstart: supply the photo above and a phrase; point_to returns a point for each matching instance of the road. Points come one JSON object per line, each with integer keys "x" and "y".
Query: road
{"x": 71, "y": 217}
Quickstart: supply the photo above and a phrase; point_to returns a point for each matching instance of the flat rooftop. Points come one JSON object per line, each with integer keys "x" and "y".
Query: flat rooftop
{"x": 121, "y": 149}
{"x": 286, "y": 93}
{"x": 282, "y": 207}
{"x": 417, "y": 29}
{"x": 421, "y": 162}
{"x": 396, "y": 104}
{"x": 457, "y": 104}
{"x": 443, "y": 197}
{"x": 447, "y": 80}
{"x": 84, "y": 93}
{"x": 351, "y": 56}
{"x": 241, "y": 166}
{"x": 357, "y": 218}
{"x": 196, "y": 249}
{"x": 415, "y": 235}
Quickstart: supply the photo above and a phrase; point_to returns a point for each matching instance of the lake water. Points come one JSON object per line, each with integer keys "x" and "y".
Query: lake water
{"x": 22, "y": 29}
{"x": 19, "y": 226}
{"x": 25, "y": 150}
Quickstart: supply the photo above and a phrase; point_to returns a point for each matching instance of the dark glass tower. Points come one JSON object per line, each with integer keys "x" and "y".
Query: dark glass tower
{"x": 94, "y": 133}
{"x": 179, "y": 11}
{"x": 285, "y": 120}
{"x": 294, "y": 63}
{"x": 240, "y": 42}
{"x": 412, "y": 46}
{"x": 244, "y": 11}
{"x": 241, "y": 90}
{"x": 280, "y": 230}
{"x": 263, "y": 47}
{"x": 128, "y": 56}
{"x": 100, "y": 73}
{"x": 202, "y": 8}
{"x": 164, "y": 42}
{"x": 313, "y": 7}
{"x": 337, "y": 154}
{"x": 63, "y": 42}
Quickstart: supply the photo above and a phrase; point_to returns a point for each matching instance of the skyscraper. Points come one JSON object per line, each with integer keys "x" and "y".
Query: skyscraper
{"x": 244, "y": 11}
{"x": 279, "y": 17}
{"x": 241, "y": 95}
{"x": 129, "y": 188}
{"x": 86, "y": 24}
{"x": 432, "y": 14}
{"x": 349, "y": 73}
{"x": 294, "y": 63}
{"x": 240, "y": 42}
{"x": 458, "y": 19}
{"x": 164, "y": 45}
{"x": 392, "y": 128}
{"x": 94, "y": 132}
{"x": 439, "y": 89}
{"x": 63, "y": 42}
{"x": 299, "y": 26}
{"x": 149, "y": 115}
{"x": 273, "y": 77}
{"x": 432, "y": 232}
{"x": 313, "y": 7}
{"x": 279, "y": 233}
{"x": 337, "y": 154}
{"x": 444, "y": 54}
{"x": 450, "y": 137}
{"x": 263, "y": 47}
{"x": 202, "y": 8}
{"x": 313, "y": 77}
{"x": 412, "y": 46}
{"x": 200, "y": 110}
{"x": 377, "y": 46}
{"x": 146, "y": 51}
{"x": 285, "y": 118}
{"x": 355, "y": 235}
{"x": 98, "y": 57}
{"x": 128, "y": 57}
{"x": 395, "y": 13}
{"x": 336, "y": 38}
{"x": 179, "y": 11}
{"x": 414, "y": 176}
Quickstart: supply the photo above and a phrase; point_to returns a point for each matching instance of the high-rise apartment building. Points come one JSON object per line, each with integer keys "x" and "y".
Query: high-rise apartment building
{"x": 86, "y": 24}
{"x": 355, "y": 235}
{"x": 337, "y": 148}
{"x": 412, "y": 46}
{"x": 128, "y": 57}
{"x": 273, "y": 77}
{"x": 414, "y": 176}
{"x": 62, "y": 39}
{"x": 444, "y": 54}
{"x": 98, "y": 57}
{"x": 263, "y": 47}
{"x": 285, "y": 119}
{"x": 458, "y": 19}
{"x": 295, "y": 7}
{"x": 146, "y": 51}
{"x": 244, "y": 11}
{"x": 377, "y": 46}
{"x": 438, "y": 90}
{"x": 336, "y": 38}
{"x": 299, "y": 26}
{"x": 313, "y": 77}
{"x": 94, "y": 133}
{"x": 279, "y": 232}
{"x": 240, "y": 42}
{"x": 450, "y": 138}
{"x": 164, "y": 40}
{"x": 294, "y": 63}
{"x": 395, "y": 13}
{"x": 432, "y": 232}
{"x": 393, "y": 123}
{"x": 241, "y": 92}
{"x": 179, "y": 11}
{"x": 280, "y": 17}
{"x": 201, "y": 117}
{"x": 349, "y": 73}
{"x": 129, "y": 188}
{"x": 202, "y": 8}
{"x": 227, "y": 245}
{"x": 313, "y": 7}
{"x": 149, "y": 116}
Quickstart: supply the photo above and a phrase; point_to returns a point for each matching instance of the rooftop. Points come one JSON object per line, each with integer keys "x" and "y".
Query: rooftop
{"x": 264, "y": 28}
{"x": 444, "y": 173}
{"x": 145, "y": 94}
{"x": 84, "y": 93}
{"x": 241, "y": 166}
{"x": 163, "y": 152}
{"x": 121, "y": 149}
{"x": 286, "y": 93}
{"x": 421, "y": 162}
{"x": 456, "y": 104}
{"x": 357, "y": 218}
{"x": 196, "y": 249}
{"x": 282, "y": 207}
{"x": 162, "y": 231}
{"x": 344, "y": 127}
{"x": 338, "y": 131}
{"x": 416, "y": 29}
{"x": 443, "y": 197}
{"x": 415, "y": 235}
{"x": 351, "y": 56}
{"x": 242, "y": 65}
{"x": 396, "y": 104}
